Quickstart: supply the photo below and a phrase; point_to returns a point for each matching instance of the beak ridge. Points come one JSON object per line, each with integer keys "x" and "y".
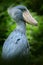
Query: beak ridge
{"x": 28, "y": 18}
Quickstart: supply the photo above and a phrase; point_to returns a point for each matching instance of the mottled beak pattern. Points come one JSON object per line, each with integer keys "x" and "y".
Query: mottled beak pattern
{"x": 28, "y": 18}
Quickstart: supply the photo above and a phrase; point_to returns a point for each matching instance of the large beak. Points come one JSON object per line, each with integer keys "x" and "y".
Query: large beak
{"x": 28, "y": 18}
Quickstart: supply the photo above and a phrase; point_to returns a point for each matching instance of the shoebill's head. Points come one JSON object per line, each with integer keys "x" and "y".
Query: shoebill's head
{"x": 21, "y": 13}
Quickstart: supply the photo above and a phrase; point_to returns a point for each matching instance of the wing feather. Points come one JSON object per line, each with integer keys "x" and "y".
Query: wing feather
{"x": 14, "y": 45}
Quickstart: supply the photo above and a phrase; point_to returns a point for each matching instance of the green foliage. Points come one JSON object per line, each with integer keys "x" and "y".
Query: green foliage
{"x": 5, "y": 24}
{"x": 35, "y": 5}
{"x": 36, "y": 42}
{"x": 34, "y": 33}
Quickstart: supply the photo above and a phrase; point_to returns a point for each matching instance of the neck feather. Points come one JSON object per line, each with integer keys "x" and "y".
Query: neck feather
{"x": 21, "y": 26}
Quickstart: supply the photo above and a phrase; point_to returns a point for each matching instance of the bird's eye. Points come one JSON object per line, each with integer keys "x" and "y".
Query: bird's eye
{"x": 23, "y": 9}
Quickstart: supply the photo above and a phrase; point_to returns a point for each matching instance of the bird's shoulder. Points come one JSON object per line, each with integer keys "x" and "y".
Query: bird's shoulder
{"x": 15, "y": 38}
{"x": 15, "y": 44}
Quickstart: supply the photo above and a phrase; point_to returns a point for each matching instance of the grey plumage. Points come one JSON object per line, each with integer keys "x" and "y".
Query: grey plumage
{"x": 16, "y": 46}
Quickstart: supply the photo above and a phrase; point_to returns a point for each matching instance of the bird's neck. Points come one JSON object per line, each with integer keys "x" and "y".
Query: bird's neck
{"x": 21, "y": 26}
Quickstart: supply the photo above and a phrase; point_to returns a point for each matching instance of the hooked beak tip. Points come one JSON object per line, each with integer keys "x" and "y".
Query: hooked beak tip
{"x": 36, "y": 24}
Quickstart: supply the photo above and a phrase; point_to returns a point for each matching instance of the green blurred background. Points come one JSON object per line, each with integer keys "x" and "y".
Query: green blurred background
{"x": 34, "y": 33}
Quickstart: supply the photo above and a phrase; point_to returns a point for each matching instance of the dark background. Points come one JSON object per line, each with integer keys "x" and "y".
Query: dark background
{"x": 34, "y": 33}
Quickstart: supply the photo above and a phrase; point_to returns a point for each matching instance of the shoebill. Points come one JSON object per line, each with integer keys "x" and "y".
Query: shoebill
{"x": 16, "y": 46}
